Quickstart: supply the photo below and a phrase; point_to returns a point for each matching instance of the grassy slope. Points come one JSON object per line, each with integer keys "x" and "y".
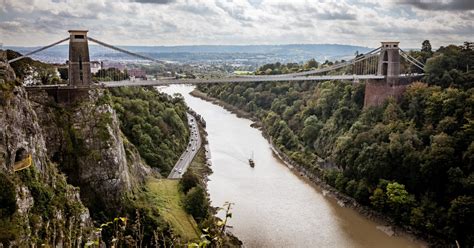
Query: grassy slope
{"x": 167, "y": 198}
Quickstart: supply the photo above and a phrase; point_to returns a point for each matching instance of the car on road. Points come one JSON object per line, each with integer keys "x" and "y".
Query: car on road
{"x": 194, "y": 148}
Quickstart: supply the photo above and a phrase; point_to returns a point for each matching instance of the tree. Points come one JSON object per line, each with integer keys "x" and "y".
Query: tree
{"x": 44, "y": 74}
{"x": 399, "y": 201}
{"x": 396, "y": 194}
{"x": 426, "y": 46}
{"x": 461, "y": 216}
{"x": 311, "y": 130}
{"x": 188, "y": 181}
{"x": 196, "y": 203}
{"x": 312, "y": 63}
{"x": 63, "y": 72}
{"x": 378, "y": 199}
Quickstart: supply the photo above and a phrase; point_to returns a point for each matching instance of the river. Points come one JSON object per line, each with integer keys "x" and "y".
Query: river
{"x": 273, "y": 206}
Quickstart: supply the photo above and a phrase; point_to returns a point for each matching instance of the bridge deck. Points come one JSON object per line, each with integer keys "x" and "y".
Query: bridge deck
{"x": 253, "y": 79}
{"x": 236, "y": 80}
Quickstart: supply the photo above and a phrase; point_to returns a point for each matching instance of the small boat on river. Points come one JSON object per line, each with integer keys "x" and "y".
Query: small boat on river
{"x": 251, "y": 162}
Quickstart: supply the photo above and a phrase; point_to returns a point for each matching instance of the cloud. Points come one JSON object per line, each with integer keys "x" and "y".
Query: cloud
{"x": 343, "y": 15}
{"x": 154, "y": 1}
{"x": 10, "y": 26}
{"x": 191, "y": 22}
{"x": 451, "y": 5}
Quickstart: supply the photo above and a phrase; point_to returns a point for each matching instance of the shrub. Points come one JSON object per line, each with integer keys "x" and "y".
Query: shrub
{"x": 196, "y": 203}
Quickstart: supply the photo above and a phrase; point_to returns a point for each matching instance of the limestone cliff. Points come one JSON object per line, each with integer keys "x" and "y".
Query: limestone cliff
{"x": 37, "y": 205}
{"x": 86, "y": 141}
{"x": 54, "y": 158}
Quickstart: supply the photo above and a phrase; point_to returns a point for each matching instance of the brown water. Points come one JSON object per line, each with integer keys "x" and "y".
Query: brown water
{"x": 273, "y": 206}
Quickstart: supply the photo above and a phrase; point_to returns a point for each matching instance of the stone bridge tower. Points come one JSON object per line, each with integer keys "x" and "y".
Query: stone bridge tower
{"x": 378, "y": 90}
{"x": 389, "y": 62}
{"x": 79, "y": 63}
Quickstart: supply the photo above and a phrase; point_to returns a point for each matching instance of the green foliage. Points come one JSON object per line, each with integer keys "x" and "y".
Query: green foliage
{"x": 330, "y": 176}
{"x": 214, "y": 231}
{"x": 51, "y": 195}
{"x": 399, "y": 201}
{"x": 196, "y": 203}
{"x": 378, "y": 199}
{"x": 63, "y": 73}
{"x": 450, "y": 66}
{"x": 8, "y": 231}
{"x": 461, "y": 216}
{"x": 155, "y": 123}
{"x": 426, "y": 46}
{"x": 279, "y": 68}
{"x": 7, "y": 196}
{"x": 110, "y": 74}
{"x": 188, "y": 181}
{"x": 396, "y": 194}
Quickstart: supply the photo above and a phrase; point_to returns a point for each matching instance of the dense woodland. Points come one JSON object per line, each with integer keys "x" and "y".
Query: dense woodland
{"x": 412, "y": 160}
{"x": 154, "y": 122}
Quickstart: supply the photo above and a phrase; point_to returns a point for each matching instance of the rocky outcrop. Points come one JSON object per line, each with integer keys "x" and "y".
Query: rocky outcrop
{"x": 86, "y": 141}
{"x": 6, "y": 72}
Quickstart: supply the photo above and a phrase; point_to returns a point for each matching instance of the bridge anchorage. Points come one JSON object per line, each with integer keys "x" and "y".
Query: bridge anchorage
{"x": 382, "y": 68}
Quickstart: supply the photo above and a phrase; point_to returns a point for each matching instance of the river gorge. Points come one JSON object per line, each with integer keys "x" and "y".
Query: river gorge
{"x": 275, "y": 207}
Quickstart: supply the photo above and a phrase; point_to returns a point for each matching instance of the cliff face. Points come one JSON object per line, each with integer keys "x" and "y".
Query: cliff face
{"x": 85, "y": 140}
{"x": 43, "y": 143}
{"x": 37, "y": 205}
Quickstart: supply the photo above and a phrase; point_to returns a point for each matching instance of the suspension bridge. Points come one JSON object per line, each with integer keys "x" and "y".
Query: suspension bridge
{"x": 381, "y": 68}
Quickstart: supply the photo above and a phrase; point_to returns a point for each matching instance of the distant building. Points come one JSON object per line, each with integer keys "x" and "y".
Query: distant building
{"x": 136, "y": 73}
{"x": 96, "y": 66}
{"x": 118, "y": 66}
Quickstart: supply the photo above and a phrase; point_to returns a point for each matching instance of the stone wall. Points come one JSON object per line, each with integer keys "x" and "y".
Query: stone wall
{"x": 377, "y": 91}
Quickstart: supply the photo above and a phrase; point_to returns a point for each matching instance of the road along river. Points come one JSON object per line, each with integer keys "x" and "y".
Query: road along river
{"x": 273, "y": 206}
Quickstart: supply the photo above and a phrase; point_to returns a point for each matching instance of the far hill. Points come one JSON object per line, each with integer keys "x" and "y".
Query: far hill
{"x": 247, "y": 54}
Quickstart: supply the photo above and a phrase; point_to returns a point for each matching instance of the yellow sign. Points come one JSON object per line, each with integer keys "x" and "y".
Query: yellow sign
{"x": 23, "y": 164}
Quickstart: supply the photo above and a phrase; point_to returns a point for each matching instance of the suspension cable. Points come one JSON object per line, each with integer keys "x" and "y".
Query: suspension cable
{"x": 330, "y": 68}
{"x": 414, "y": 59}
{"x": 410, "y": 59}
{"x": 124, "y": 51}
{"x": 37, "y": 50}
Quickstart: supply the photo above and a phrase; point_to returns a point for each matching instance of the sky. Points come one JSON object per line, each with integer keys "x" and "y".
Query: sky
{"x": 239, "y": 22}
